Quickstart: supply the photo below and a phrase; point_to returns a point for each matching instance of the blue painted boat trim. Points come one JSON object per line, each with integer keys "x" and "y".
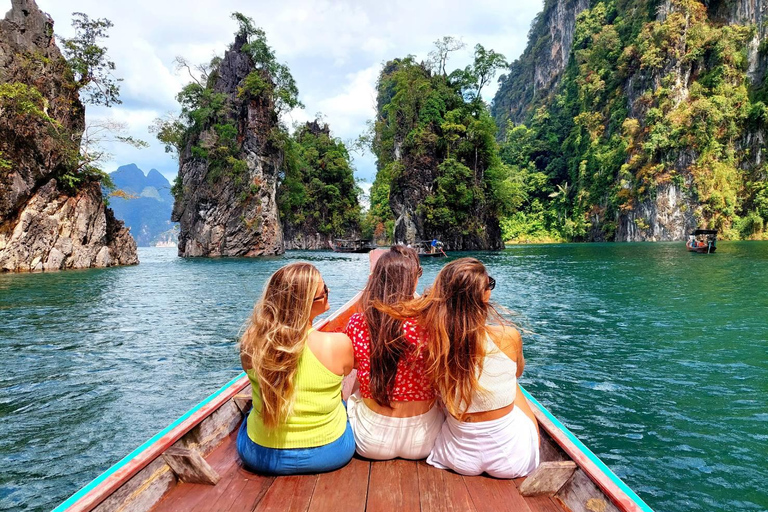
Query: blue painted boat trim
{"x": 594, "y": 458}
{"x": 98, "y": 480}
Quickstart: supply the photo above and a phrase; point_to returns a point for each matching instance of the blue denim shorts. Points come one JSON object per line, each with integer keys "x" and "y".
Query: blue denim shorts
{"x": 294, "y": 461}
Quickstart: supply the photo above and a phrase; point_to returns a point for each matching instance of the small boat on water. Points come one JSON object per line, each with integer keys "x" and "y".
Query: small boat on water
{"x": 702, "y": 241}
{"x": 430, "y": 249}
{"x": 192, "y": 465}
{"x": 356, "y": 246}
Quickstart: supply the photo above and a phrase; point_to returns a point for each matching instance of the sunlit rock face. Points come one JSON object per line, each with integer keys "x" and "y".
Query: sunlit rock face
{"x": 229, "y": 212}
{"x": 43, "y": 224}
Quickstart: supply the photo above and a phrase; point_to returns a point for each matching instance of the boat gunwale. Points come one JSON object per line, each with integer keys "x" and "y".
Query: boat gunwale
{"x": 609, "y": 483}
{"x": 120, "y": 473}
{"x": 101, "y": 487}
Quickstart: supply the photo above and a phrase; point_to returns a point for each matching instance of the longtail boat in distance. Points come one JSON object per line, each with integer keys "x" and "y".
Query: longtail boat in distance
{"x": 702, "y": 241}
{"x": 193, "y": 465}
{"x": 430, "y": 249}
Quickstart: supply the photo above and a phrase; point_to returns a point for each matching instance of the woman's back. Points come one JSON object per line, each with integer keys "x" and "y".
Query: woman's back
{"x": 496, "y": 382}
{"x": 298, "y": 423}
{"x": 317, "y": 416}
{"x": 410, "y": 382}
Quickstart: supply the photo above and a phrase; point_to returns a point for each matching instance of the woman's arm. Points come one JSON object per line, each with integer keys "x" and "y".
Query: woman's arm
{"x": 345, "y": 353}
{"x": 510, "y": 342}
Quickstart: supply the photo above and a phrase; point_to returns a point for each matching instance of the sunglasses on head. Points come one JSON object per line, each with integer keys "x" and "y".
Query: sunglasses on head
{"x": 324, "y": 295}
{"x": 491, "y": 283}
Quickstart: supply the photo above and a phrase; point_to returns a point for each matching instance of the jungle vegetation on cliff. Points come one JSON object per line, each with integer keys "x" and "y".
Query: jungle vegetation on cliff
{"x": 650, "y": 100}
{"x": 438, "y": 161}
{"x": 316, "y": 191}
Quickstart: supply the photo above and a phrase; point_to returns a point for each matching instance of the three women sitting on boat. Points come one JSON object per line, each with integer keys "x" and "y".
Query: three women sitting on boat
{"x": 435, "y": 380}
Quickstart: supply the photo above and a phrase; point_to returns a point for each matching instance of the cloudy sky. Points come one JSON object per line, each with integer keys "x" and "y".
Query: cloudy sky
{"x": 334, "y": 49}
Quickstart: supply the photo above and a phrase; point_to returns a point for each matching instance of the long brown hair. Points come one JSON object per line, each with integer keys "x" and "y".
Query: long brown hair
{"x": 274, "y": 338}
{"x": 393, "y": 280}
{"x": 453, "y": 314}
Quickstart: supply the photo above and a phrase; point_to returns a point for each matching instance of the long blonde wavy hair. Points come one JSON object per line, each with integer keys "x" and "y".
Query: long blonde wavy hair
{"x": 275, "y": 335}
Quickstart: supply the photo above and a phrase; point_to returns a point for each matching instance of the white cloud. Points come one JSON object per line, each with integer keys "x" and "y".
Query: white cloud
{"x": 334, "y": 49}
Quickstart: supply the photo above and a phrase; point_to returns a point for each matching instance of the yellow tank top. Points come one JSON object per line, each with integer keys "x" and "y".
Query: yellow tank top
{"x": 318, "y": 416}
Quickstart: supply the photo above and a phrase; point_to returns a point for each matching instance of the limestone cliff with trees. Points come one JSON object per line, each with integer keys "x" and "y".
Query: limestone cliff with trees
{"x": 240, "y": 170}
{"x": 52, "y": 213}
{"x": 638, "y": 120}
{"x": 317, "y": 195}
{"x": 439, "y": 173}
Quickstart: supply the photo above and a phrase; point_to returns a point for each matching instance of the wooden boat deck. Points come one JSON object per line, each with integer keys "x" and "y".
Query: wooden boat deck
{"x": 361, "y": 485}
{"x": 200, "y": 446}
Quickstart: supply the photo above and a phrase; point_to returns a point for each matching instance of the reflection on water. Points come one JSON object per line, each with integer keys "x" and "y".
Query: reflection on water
{"x": 654, "y": 357}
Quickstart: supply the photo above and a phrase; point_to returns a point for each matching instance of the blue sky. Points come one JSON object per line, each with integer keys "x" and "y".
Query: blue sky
{"x": 334, "y": 49}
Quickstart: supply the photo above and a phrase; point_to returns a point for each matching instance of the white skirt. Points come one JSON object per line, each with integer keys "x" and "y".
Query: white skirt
{"x": 384, "y": 437}
{"x": 504, "y": 448}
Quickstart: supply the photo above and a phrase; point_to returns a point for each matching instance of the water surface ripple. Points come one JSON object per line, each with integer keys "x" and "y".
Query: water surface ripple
{"x": 654, "y": 357}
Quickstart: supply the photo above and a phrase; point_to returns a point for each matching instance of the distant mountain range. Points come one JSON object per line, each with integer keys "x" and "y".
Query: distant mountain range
{"x": 144, "y": 202}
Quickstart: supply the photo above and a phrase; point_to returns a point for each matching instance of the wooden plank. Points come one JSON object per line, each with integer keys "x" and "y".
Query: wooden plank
{"x": 442, "y": 490}
{"x": 543, "y": 504}
{"x": 548, "y": 478}
{"x": 185, "y": 497}
{"x": 142, "y": 492}
{"x": 221, "y": 497}
{"x": 492, "y": 494}
{"x": 343, "y": 490}
{"x": 243, "y": 401}
{"x": 190, "y": 467}
{"x": 245, "y": 492}
{"x": 287, "y": 494}
{"x": 116, "y": 477}
{"x": 393, "y": 485}
{"x": 549, "y": 450}
{"x": 208, "y": 435}
{"x": 581, "y": 494}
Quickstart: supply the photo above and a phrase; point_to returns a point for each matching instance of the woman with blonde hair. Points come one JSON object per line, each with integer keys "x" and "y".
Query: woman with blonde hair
{"x": 298, "y": 423}
{"x": 394, "y": 412}
{"x": 489, "y": 427}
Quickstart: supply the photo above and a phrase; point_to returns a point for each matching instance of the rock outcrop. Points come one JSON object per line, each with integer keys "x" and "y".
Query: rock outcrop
{"x": 318, "y": 195}
{"x": 438, "y": 182}
{"x": 55, "y": 231}
{"x": 226, "y": 210}
{"x": 537, "y": 72}
{"x": 43, "y": 224}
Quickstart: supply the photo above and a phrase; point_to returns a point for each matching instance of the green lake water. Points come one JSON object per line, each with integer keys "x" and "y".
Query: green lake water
{"x": 657, "y": 359}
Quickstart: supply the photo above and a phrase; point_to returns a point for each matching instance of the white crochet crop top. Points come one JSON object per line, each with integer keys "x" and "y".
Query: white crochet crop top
{"x": 498, "y": 381}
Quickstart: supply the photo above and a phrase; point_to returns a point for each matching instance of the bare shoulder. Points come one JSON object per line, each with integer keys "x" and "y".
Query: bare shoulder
{"x": 333, "y": 342}
{"x": 507, "y": 338}
{"x": 338, "y": 339}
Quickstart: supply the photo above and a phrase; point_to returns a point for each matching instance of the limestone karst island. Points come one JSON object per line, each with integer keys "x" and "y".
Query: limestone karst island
{"x": 347, "y": 256}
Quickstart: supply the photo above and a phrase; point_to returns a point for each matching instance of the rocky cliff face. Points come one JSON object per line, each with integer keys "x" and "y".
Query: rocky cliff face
{"x": 231, "y": 210}
{"x": 674, "y": 211}
{"x": 536, "y": 73}
{"x": 43, "y": 225}
{"x": 305, "y": 235}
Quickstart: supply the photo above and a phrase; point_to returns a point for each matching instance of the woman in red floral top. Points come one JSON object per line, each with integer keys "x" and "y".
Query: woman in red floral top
{"x": 394, "y": 413}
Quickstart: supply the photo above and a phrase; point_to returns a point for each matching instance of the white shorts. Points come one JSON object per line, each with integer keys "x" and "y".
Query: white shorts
{"x": 383, "y": 437}
{"x": 504, "y": 448}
